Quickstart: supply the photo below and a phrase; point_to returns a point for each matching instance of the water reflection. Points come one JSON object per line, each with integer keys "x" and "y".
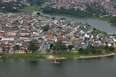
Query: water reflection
{"x": 110, "y": 57}
{"x": 95, "y": 67}
{"x": 33, "y": 62}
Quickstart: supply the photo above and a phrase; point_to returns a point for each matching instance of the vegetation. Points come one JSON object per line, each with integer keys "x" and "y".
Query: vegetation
{"x": 26, "y": 56}
{"x": 90, "y": 51}
{"x": 97, "y": 50}
{"x": 16, "y": 47}
{"x": 30, "y": 9}
{"x": 10, "y": 6}
{"x": 45, "y": 28}
{"x": 113, "y": 21}
{"x": 71, "y": 55}
{"x": 70, "y": 47}
{"x": 37, "y": 2}
{"x": 106, "y": 18}
{"x": 90, "y": 12}
{"x": 58, "y": 48}
{"x": 33, "y": 46}
{"x": 96, "y": 31}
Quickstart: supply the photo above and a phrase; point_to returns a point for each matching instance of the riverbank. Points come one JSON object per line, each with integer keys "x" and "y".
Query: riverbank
{"x": 90, "y": 17}
{"x": 80, "y": 56}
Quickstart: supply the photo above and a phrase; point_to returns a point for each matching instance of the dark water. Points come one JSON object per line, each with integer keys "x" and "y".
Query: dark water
{"x": 97, "y": 67}
{"x": 99, "y": 24}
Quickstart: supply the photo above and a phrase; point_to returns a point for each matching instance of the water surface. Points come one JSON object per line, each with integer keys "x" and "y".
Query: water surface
{"x": 99, "y": 24}
{"x": 97, "y": 67}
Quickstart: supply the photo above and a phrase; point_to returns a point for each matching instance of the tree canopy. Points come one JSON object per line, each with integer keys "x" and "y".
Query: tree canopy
{"x": 33, "y": 46}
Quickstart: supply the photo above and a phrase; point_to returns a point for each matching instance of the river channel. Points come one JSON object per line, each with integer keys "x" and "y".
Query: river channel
{"x": 102, "y": 25}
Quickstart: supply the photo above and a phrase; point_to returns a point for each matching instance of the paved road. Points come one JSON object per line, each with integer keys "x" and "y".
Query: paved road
{"x": 14, "y": 42}
{"x": 42, "y": 45}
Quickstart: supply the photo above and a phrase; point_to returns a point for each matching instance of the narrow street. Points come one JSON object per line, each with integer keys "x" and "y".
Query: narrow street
{"x": 42, "y": 45}
{"x": 14, "y": 42}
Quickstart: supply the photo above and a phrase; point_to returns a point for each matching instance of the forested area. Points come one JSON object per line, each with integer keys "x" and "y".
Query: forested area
{"x": 10, "y": 6}
{"x": 93, "y": 10}
{"x": 37, "y": 2}
{"x": 113, "y": 20}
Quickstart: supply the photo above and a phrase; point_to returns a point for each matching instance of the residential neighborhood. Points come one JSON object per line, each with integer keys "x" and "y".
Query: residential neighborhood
{"x": 57, "y": 38}
{"x": 21, "y": 28}
{"x": 108, "y": 5}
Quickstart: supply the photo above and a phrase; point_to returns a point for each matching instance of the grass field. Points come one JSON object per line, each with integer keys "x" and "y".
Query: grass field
{"x": 106, "y": 18}
{"x": 25, "y": 56}
{"x": 78, "y": 55}
{"x": 30, "y": 9}
{"x": 102, "y": 32}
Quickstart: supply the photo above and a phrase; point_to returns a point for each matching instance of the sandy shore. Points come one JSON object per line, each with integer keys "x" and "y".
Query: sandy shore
{"x": 52, "y": 57}
{"x": 111, "y": 54}
{"x": 83, "y": 57}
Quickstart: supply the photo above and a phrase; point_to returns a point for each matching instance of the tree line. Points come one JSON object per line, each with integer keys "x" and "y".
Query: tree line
{"x": 10, "y": 6}
{"x": 97, "y": 50}
{"x": 113, "y": 20}
{"x": 91, "y": 10}
{"x": 36, "y": 2}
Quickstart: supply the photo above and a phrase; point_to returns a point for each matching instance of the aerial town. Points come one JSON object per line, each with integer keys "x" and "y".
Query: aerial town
{"x": 108, "y": 5}
{"x": 57, "y": 38}
{"x": 21, "y": 28}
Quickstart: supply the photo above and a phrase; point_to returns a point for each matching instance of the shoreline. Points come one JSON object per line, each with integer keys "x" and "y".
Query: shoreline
{"x": 111, "y": 23}
{"x": 111, "y": 54}
{"x": 92, "y": 17}
{"x": 50, "y": 57}
{"x": 81, "y": 57}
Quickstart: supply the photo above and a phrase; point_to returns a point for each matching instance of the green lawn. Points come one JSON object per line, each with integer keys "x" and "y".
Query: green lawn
{"x": 106, "y": 18}
{"x": 30, "y": 9}
{"x": 25, "y": 56}
{"x": 102, "y": 32}
{"x": 77, "y": 55}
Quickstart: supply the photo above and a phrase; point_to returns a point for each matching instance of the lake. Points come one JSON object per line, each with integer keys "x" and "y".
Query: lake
{"x": 96, "y": 67}
{"x": 102, "y": 25}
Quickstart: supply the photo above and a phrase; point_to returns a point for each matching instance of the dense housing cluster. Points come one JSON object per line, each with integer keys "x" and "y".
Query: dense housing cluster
{"x": 20, "y": 28}
{"x": 108, "y": 5}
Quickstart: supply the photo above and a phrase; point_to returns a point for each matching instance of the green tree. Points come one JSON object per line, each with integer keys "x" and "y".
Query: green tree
{"x": 111, "y": 49}
{"x": 33, "y": 46}
{"x": 70, "y": 47}
{"x": 81, "y": 50}
{"x": 16, "y": 47}
{"x": 58, "y": 48}
{"x": 69, "y": 37}
{"x": 45, "y": 28}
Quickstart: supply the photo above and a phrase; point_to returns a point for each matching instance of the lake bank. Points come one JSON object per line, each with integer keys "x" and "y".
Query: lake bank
{"x": 50, "y": 57}
{"x": 83, "y": 57}
{"x": 24, "y": 56}
{"x": 91, "y": 17}
{"x": 94, "y": 67}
